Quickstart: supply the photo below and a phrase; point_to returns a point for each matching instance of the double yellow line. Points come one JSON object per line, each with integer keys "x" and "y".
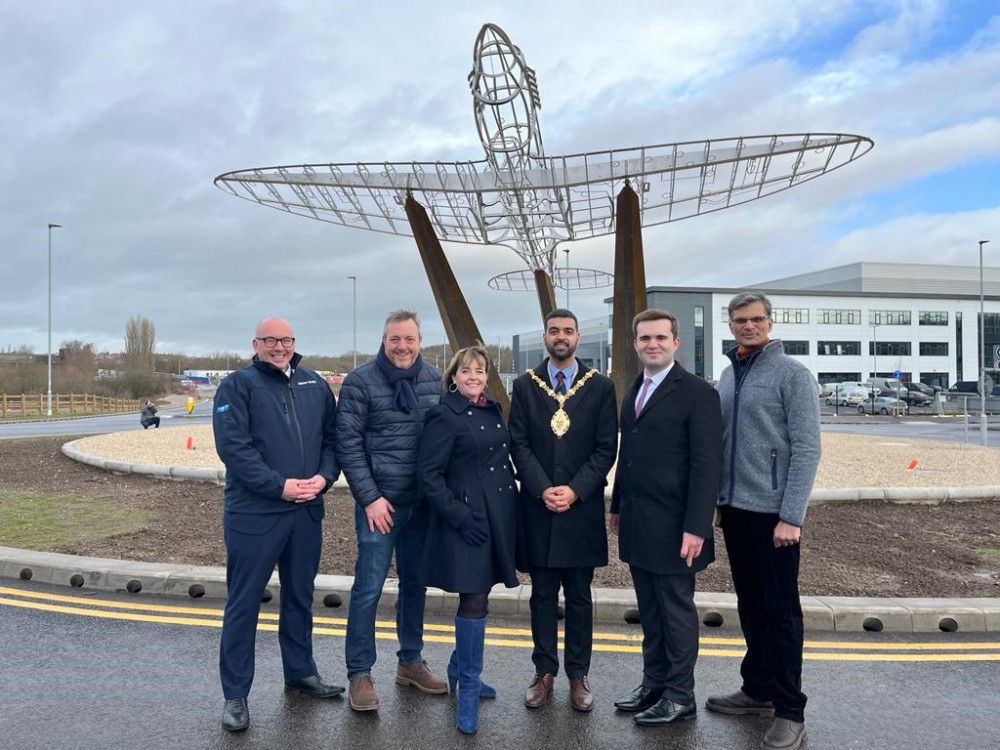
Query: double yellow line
{"x": 622, "y": 643}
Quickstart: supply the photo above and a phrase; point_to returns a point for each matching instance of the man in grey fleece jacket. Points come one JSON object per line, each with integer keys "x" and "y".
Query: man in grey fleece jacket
{"x": 771, "y": 446}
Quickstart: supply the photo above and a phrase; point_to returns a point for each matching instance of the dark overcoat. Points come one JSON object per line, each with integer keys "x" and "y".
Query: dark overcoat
{"x": 668, "y": 474}
{"x": 581, "y": 459}
{"x": 463, "y": 466}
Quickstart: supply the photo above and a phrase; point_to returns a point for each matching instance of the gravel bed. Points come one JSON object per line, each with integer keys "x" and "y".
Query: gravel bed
{"x": 848, "y": 460}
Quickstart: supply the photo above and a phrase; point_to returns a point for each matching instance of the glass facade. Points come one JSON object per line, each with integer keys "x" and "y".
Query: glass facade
{"x": 932, "y": 318}
{"x": 933, "y": 348}
{"x": 842, "y": 348}
{"x": 889, "y": 348}
{"x": 889, "y": 317}
{"x": 835, "y": 316}
{"x": 790, "y": 315}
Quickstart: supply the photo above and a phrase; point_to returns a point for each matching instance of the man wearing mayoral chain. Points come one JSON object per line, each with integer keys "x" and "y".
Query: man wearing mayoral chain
{"x": 564, "y": 437}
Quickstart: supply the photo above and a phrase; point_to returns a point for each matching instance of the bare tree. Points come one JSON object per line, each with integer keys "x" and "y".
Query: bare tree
{"x": 140, "y": 340}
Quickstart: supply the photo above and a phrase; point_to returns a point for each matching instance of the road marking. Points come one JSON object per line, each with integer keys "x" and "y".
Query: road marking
{"x": 623, "y": 643}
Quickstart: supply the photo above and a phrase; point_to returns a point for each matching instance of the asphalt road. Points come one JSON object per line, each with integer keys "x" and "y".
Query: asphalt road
{"x": 117, "y": 672}
{"x": 201, "y": 414}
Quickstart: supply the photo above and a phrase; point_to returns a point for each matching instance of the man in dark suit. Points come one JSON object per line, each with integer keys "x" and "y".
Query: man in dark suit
{"x": 662, "y": 505}
{"x": 564, "y": 434}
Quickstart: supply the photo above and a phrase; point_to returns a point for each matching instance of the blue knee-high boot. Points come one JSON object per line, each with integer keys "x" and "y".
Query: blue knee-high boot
{"x": 469, "y": 637}
{"x": 485, "y": 691}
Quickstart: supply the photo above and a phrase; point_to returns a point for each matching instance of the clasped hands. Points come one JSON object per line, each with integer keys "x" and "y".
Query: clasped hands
{"x": 559, "y": 499}
{"x": 303, "y": 490}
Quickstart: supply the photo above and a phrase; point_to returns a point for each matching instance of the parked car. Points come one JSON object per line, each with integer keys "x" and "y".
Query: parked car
{"x": 884, "y": 405}
{"x": 886, "y": 386}
{"x": 964, "y": 386}
{"x": 847, "y": 397}
{"x": 917, "y": 398}
{"x": 927, "y": 390}
{"x": 847, "y": 385}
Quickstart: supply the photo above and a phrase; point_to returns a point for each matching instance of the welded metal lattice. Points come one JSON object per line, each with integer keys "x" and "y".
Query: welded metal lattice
{"x": 519, "y": 198}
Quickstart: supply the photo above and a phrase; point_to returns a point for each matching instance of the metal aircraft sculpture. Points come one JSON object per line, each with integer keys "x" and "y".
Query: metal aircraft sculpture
{"x": 521, "y": 199}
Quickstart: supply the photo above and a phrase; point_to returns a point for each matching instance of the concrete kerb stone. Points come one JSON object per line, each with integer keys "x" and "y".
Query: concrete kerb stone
{"x": 855, "y": 614}
{"x": 946, "y": 615}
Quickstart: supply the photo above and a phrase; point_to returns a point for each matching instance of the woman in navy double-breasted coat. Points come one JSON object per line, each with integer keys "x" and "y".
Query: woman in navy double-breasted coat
{"x": 465, "y": 473}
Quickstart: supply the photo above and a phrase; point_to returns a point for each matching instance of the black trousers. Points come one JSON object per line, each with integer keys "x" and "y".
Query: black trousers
{"x": 669, "y": 632}
{"x": 579, "y": 623}
{"x": 766, "y": 579}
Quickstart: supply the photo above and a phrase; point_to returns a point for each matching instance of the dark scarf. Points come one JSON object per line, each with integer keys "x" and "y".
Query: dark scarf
{"x": 401, "y": 380}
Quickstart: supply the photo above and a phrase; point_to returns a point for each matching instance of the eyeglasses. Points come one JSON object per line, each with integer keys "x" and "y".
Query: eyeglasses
{"x": 756, "y": 320}
{"x": 269, "y": 341}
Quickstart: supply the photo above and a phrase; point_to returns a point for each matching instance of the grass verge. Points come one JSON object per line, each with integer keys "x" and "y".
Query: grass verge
{"x": 41, "y": 522}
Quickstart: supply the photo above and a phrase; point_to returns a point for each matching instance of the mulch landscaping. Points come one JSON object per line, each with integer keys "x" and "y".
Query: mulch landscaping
{"x": 848, "y": 549}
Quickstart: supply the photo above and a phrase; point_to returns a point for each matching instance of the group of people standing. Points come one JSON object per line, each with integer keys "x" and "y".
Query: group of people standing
{"x": 432, "y": 466}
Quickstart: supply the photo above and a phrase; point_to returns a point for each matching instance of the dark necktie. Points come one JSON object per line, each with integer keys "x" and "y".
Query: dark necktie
{"x": 560, "y": 383}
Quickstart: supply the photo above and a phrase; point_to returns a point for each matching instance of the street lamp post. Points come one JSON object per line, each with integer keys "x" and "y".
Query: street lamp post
{"x": 982, "y": 349}
{"x": 48, "y": 408}
{"x": 566, "y": 250}
{"x": 354, "y": 283}
{"x": 871, "y": 391}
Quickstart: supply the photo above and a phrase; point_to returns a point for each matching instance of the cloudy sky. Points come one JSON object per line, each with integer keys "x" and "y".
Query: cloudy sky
{"x": 117, "y": 116}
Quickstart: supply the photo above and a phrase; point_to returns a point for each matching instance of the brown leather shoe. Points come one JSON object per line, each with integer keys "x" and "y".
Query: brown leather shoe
{"x": 361, "y": 693}
{"x": 580, "y": 696}
{"x": 421, "y": 677}
{"x": 539, "y": 691}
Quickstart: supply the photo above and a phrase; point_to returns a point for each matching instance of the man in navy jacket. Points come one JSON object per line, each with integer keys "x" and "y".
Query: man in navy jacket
{"x": 274, "y": 425}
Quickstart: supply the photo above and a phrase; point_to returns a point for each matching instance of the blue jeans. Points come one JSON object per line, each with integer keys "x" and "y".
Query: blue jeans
{"x": 375, "y": 549}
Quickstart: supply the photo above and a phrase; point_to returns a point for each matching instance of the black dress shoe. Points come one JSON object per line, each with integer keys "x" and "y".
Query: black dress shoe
{"x": 640, "y": 699}
{"x": 313, "y": 685}
{"x": 666, "y": 712}
{"x": 236, "y": 715}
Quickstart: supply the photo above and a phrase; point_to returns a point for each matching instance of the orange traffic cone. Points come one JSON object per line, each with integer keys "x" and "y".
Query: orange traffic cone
{"x": 913, "y": 465}
{"x": 190, "y": 445}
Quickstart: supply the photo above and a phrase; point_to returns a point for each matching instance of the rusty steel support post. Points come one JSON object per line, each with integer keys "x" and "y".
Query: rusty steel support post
{"x": 546, "y": 292}
{"x": 454, "y": 310}
{"x": 630, "y": 288}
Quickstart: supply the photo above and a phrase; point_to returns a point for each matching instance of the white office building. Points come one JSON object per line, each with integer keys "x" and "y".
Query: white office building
{"x": 845, "y": 323}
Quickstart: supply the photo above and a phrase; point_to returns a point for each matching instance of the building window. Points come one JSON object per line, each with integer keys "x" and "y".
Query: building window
{"x": 728, "y": 344}
{"x": 838, "y": 377}
{"x": 933, "y": 348}
{"x": 725, "y": 314}
{"x": 843, "y": 317}
{"x": 889, "y": 348}
{"x": 790, "y": 315}
{"x": 843, "y": 348}
{"x": 932, "y": 318}
{"x": 889, "y": 317}
{"x": 800, "y": 348}
{"x": 699, "y": 341}
{"x": 958, "y": 345}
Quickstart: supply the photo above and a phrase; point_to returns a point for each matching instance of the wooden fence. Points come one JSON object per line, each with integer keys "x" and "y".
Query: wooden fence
{"x": 63, "y": 404}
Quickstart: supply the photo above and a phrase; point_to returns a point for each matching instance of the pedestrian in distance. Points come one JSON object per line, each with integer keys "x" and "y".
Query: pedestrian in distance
{"x": 147, "y": 415}
{"x": 664, "y": 496}
{"x": 465, "y": 473}
{"x": 380, "y": 417}
{"x": 275, "y": 427}
{"x": 564, "y": 437}
{"x": 771, "y": 445}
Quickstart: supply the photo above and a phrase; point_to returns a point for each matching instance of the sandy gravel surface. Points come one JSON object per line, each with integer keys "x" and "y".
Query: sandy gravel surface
{"x": 848, "y": 460}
